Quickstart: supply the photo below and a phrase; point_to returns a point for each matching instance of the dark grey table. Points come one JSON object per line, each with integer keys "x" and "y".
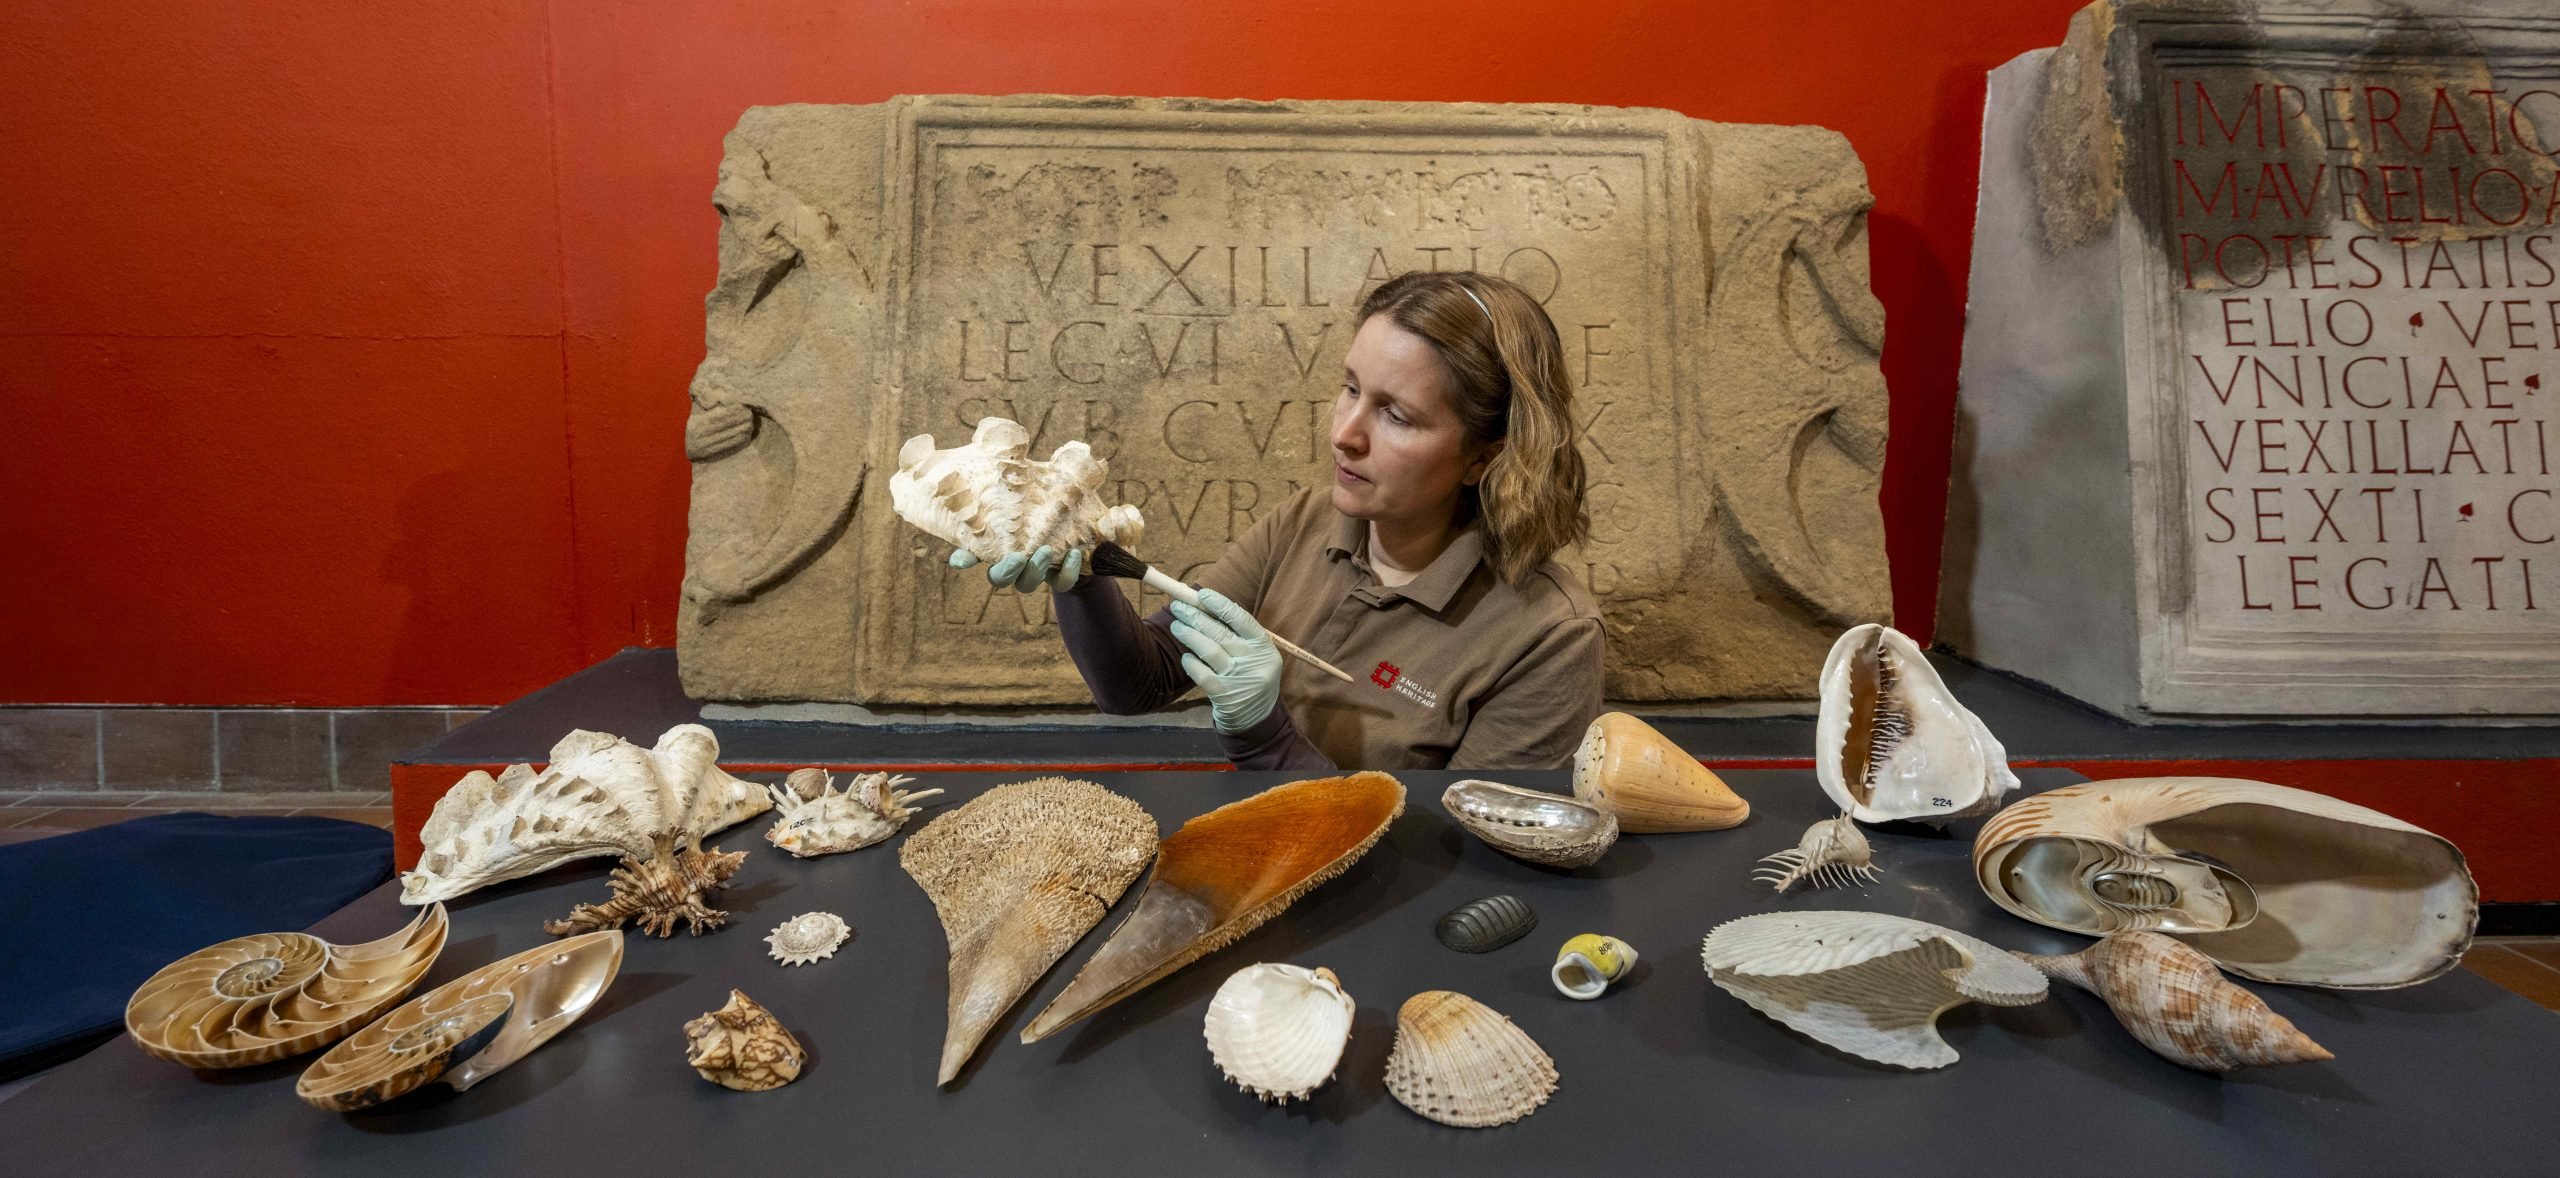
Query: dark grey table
{"x": 1664, "y": 1075}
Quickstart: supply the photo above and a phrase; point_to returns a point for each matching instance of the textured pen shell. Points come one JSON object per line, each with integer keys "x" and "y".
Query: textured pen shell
{"x": 1460, "y": 1062}
{"x": 1651, "y": 785}
{"x": 1891, "y": 742}
{"x": 2274, "y": 883}
{"x": 1530, "y": 824}
{"x": 742, "y": 1047}
{"x": 466, "y": 1029}
{"x": 1222, "y": 875}
{"x": 1866, "y": 983}
{"x": 1482, "y": 926}
{"x": 990, "y": 497}
{"x": 1277, "y": 1031}
{"x": 2178, "y": 1004}
{"x": 253, "y": 999}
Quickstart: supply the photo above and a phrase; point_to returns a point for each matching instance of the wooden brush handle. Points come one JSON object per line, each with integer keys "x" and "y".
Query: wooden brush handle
{"x": 1191, "y": 597}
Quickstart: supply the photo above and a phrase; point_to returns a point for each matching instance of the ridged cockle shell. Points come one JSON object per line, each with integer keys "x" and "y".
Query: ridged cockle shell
{"x": 1460, "y": 1062}
{"x": 1277, "y": 1031}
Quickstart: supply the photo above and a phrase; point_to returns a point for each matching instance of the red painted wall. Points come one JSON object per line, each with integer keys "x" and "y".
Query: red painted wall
{"x": 343, "y": 347}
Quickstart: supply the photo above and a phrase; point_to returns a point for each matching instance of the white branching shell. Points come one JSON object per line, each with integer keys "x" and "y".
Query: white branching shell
{"x": 1530, "y": 824}
{"x": 1892, "y": 743}
{"x": 2276, "y": 884}
{"x": 1277, "y": 1031}
{"x": 810, "y": 936}
{"x": 813, "y": 818}
{"x": 1866, "y": 983}
{"x": 990, "y": 498}
{"x": 1833, "y": 852}
{"x": 1460, "y": 1062}
{"x": 2174, "y": 1000}
{"x": 263, "y": 997}
{"x": 600, "y": 795}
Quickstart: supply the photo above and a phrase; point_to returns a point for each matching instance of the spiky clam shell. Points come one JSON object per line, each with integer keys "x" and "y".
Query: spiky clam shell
{"x": 1866, "y": 983}
{"x": 263, "y": 997}
{"x": 1530, "y": 824}
{"x": 2179, "y": 1005}
{"x": 813, "y": 818}
{"x": 810, "y": 936}
{"x": 467, "y": 1029}
{"x": 1832, "y": 852}
{"x": 1891, "y": 741}
{"x": 1277, "y": 1031}
{"x": 742, "y": 1047}
{"x": 1482, "y": 926}
{"x": 990, "y": 497}
{"x": 1461, "y": 1063}
{"x": 1651, "y": 785}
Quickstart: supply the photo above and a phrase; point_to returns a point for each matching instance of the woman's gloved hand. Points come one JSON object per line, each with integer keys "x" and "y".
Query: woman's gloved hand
{"x": 1025, "y": 571}
{"x": 1231, "y": 659}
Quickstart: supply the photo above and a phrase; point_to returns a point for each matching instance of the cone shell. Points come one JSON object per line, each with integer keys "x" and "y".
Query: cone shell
{"x": 1277, "y": 1031}
{"x": 258, "y": 998}
{"x": 1460, "y": 1062}
{"x": 1637, "y": 774}
{"x": 467, "y": 1029}
{"x": 742, "y": 1047}
{"x": 990, "y": 497}
{"x": 1892, "y": 742}
{"x": 1222, "y": 875}
{"x": 2273, "y": 883}
{"x": 1017, "y": 875}
{"x": 1530, "y": 824}
{"x": 2178, "y": 1004}
{"x": 1866, "y": 983}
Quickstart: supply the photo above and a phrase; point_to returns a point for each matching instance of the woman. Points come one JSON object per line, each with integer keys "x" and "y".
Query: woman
{"x": 1455, "y": 484}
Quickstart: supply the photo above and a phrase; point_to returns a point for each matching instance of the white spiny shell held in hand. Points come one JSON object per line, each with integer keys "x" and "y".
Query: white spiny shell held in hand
{"x": 990, "y": 498}
{"x": 2174, "y": 1000}
{"x": 2274, "y": 883}
{"x": 1277, "y": 1031}
{"x": 1891, "y": 741}
{"x": 810, "y": 936}
{"x": 1866, "y": 983}
{"x": 813, "y": 818}
{"x": 1460, "y": 1062}
{"x": 600, "y": 795}
{"x": 1833, "y": 852}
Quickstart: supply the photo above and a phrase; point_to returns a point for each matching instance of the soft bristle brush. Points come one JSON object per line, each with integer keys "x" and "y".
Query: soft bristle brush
{"x": 1111, "y": 560}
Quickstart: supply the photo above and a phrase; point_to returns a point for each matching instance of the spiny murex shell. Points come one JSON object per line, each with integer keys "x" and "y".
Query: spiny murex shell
{"x": 1891, "y": 741}
{"x": 1650, "y": 784}
{"x": 1017, "y": 875}
{"x": 816, "y": 819}
{"x": 810, "y": 936}
{"x": 2276, "y": 884}
{"x": 1866, "y": 983}
{"x": 467, "y": 1029}
{"x": 601, "y": 795}
{"x": 990, "y": 498}
{"x": 2174, "y": 1000}
{"x": 742, "y": 1046}
{"x": 1277, "y": 1031}
{"x": 263, "y": 997}
{"x": 1532, "y": 824}
{"x": 1222, "y": 875}
{"x": 1460, "y": 1062}
{"x": 1832, "y": 852}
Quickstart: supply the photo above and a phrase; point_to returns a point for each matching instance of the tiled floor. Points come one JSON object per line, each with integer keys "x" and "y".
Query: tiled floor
{"x": 2527, "y": 965}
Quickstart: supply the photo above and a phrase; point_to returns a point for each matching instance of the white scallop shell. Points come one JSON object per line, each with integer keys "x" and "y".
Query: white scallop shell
{"x": 1892, "y": 743}
{"x": 810, "y": 936}
{"x": 1866, "y": 983}
{"x": 990, "y": 498}
{"x": 1460, "y": 1062}
{"x": 1277, "y": 1031}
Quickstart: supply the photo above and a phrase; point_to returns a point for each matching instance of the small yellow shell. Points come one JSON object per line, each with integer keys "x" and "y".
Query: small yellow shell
{"x": 1587, "y": 965}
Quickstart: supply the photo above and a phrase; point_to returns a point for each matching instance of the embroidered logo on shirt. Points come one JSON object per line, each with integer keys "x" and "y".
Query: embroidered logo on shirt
{"x": 1385, "y": 675}
{"x": 1391, "y": 677}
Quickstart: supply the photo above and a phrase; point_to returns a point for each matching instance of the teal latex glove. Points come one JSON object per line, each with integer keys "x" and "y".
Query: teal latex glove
{"x": 1231, "y": 659}
{"x": 1025, "y": 571}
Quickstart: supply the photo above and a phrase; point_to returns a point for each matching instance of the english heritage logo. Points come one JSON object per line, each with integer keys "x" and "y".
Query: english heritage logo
{"x": 1391, "y": 677}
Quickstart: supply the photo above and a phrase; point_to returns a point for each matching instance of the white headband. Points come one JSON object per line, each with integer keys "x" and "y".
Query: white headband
{"x": 1488, "y": 311}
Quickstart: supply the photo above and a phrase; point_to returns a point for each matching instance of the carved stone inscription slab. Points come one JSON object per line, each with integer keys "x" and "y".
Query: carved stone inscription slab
{"x": 1174, "y": 282}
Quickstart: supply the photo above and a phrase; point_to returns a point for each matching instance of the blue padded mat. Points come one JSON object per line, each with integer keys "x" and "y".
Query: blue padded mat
{"x": 86, "y": 917}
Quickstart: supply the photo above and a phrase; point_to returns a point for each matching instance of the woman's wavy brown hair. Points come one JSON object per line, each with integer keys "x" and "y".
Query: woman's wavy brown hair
{"x": 1513, "y": 387}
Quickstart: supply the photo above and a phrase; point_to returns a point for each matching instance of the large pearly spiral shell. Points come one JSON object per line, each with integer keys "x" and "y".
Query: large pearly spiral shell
{"x": 990, "y": 498}
{"x": 257, "y": 998}
{"x": 1892, "y": 742}
{"x": 1531, "y": 824}
{"x": 1277, "y": 1031}
{"x": 2274, "y": 883}
{"x": 2178, "y": 1004}
{"x": 467, "y": 1029}
{"x": 1866, "y": 983}
{"x": 1460, "y": 1062}
{"x": 1650, "y": 784}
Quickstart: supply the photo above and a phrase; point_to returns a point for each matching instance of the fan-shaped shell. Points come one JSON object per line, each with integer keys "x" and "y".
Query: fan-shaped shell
{"x": 1650, "y": 784}
{"x": 1460, "y": 1062}
{"x": 1222, "y": 875}
{"x": 1277, "y": 1031}
{"x": 467, "y": 1029}
{"x": 2276, "y": 884}
{"x": 810, "y": 936}
{"x": 990, "y": 498}
{"x": 2174, "y": 1000}
{"x": 1866, "y": 983}
{"x": 600, "y": 795}
{"x": 742, "y": 1047}
{"x": 1017, "y": 875}
{"x": 1893, "y": 743}
{"x": 1482, "y": 926}
{"x": 813, "y": 818}
{"x": 1530, "y": 824}
{"x": 257, "y": 998}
